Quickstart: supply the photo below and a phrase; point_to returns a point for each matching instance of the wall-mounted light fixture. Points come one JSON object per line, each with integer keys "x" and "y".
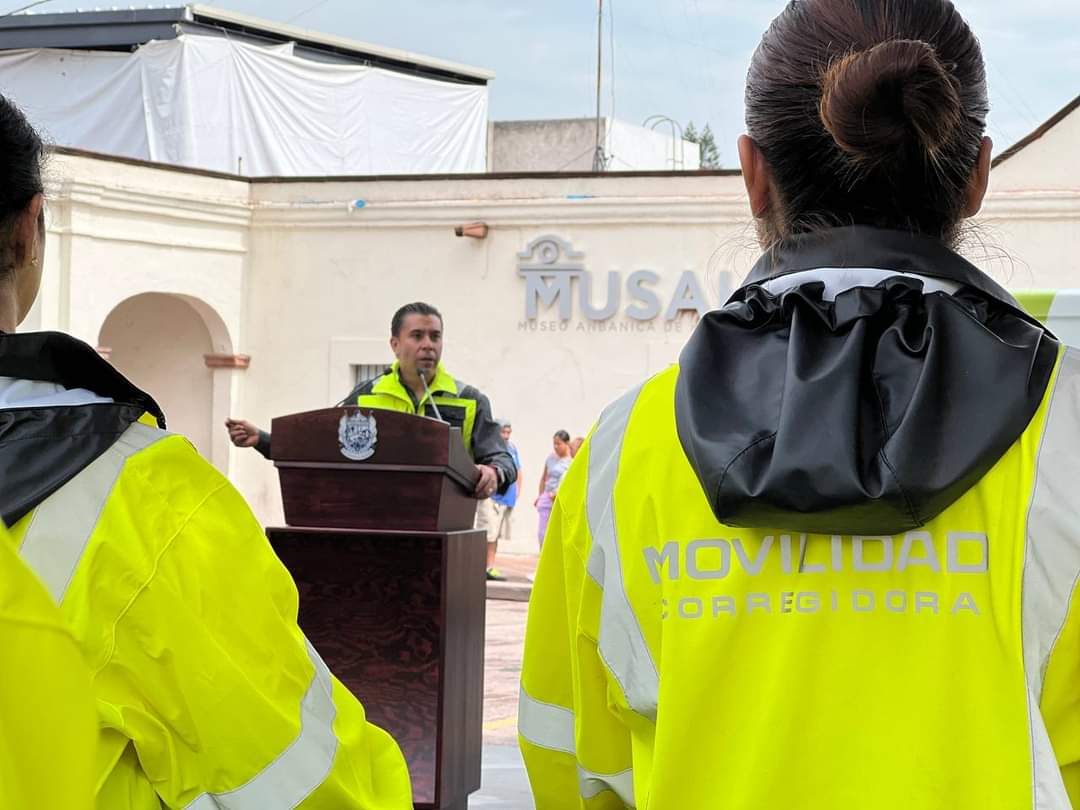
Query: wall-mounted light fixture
{"x": 475, "y": 230}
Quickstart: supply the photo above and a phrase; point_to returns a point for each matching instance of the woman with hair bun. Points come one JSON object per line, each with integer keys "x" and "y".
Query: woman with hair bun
{"x": 829, "y": 560}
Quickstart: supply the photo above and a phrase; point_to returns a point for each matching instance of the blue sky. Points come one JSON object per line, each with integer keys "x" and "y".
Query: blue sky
{"x": 685, "y": 59}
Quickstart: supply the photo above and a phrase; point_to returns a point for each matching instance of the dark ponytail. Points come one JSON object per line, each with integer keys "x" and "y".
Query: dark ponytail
{"x": 21, "y": 155}
{"x": 21, "y": 152}
{"x": 868, "y": 112}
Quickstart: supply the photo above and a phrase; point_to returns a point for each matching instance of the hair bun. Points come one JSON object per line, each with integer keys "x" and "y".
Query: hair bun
{"x": 895, "y": 94}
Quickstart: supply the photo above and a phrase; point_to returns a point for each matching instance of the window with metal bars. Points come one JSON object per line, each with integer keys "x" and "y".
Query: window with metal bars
{"x": 366, "y": 371}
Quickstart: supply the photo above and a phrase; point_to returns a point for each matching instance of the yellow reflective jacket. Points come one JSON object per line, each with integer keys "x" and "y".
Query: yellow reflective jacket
{"x": 208, "y": 694}
{"x": 48, "y": 731}
{"x": 458, "y": 404}
{"x": 676, "y": 660}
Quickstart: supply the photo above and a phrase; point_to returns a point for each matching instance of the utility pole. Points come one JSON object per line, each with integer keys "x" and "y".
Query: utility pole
{"x": 599, "y": 159}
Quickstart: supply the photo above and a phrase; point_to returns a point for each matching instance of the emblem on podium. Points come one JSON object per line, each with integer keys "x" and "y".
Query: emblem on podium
{"x": 357, "y": 436}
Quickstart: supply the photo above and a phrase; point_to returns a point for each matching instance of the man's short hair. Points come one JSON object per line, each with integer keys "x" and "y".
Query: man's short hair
{"x": 504, "y": 423}
{"x": 415, "y": 308}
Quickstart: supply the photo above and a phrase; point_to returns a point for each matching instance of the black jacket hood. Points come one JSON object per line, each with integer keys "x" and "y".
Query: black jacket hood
{"x": 42, "y": 448}
{"x": 869, "y": 414}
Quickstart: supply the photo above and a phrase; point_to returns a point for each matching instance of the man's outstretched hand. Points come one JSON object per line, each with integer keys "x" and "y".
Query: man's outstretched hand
{"x": 242, "y": 433}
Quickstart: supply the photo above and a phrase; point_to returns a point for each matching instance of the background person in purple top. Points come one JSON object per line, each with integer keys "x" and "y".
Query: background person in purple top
{"x": 555, "y": 466}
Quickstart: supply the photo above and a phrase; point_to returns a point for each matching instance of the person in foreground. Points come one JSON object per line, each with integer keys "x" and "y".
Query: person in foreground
{"x": 207, "y": 693}
{"x": 830, "y": 559}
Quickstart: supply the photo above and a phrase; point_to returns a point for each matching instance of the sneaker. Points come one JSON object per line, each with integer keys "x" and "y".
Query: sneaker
{"x": 493, "y": 574}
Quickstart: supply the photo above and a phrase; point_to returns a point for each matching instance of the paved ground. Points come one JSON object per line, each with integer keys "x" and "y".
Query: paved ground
{"x": 517, "y": 567}
{"x": 518, "y": 570}
{"x": 504, "y": 783}
{"x": 502, "y": 670}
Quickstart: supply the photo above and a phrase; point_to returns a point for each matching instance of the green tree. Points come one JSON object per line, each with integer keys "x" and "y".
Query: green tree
{"x": 706, "y": 141}
{"x": 710, "y": 155}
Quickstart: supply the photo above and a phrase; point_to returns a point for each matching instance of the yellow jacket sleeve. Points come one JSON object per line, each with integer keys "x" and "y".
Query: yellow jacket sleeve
{"x": 211, "y": 694}
{"x": 48, "y": 730}
{"x": 576, "y": 748}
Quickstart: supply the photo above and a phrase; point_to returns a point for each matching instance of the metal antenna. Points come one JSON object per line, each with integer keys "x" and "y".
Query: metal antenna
{"x": 599, "y": 159}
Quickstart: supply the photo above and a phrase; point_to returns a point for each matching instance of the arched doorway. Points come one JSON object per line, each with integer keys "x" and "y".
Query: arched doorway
{"x": 160, "y": 342}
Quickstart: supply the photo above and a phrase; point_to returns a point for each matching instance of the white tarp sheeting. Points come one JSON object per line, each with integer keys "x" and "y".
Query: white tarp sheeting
{"x": 215, "y": 104}
{"x": 634, "y": 148}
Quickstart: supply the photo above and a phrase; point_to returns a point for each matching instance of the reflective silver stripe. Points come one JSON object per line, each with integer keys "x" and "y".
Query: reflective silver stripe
{"x": 62, "y": 524}
{"x": 1047, "y": 787}
{"x": 301, "y": 767}
{"x": 552, "y": 727}
{"x": 1052, "y": 564}
{"x": 593, "y": 784}
{"x": 545, "y": 725}
{"x": 622, "y": 643}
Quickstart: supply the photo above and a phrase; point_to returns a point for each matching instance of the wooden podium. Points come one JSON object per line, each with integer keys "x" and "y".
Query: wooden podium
{"x": 380, "y": 541}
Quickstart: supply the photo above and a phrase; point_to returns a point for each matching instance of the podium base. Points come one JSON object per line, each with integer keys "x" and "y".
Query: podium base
{"x": 399, "y": 619}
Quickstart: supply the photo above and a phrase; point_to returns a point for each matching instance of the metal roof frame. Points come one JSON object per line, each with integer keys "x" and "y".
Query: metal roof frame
{"x": 127, "y": 29}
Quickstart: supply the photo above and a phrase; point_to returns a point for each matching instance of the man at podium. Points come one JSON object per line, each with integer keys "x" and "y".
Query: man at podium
{"x": 418, "y": 384}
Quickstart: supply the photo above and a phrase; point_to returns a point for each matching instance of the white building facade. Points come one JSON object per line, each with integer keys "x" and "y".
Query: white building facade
{"x": 224, "y": 296}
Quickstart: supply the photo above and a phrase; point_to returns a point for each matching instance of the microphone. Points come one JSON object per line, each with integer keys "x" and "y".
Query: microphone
{"x": 427, "y": 391}
{"x": 350, "y": 398}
